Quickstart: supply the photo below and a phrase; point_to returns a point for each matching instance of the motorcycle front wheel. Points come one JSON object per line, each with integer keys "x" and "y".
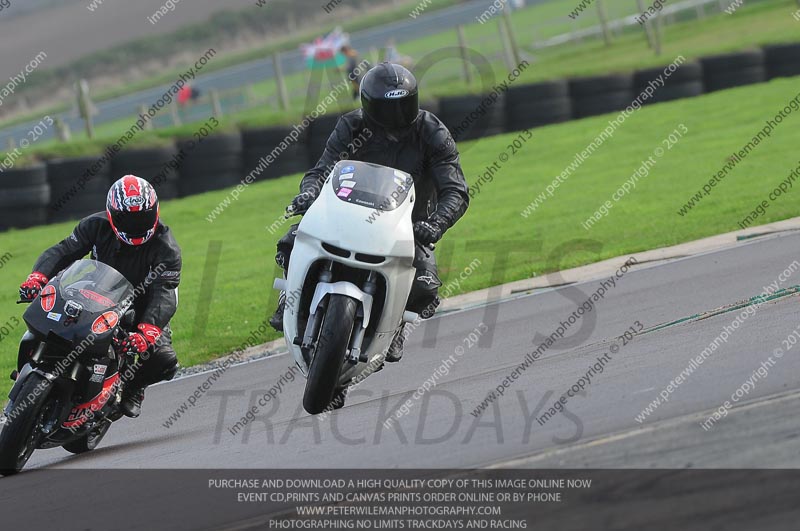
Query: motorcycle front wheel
{"x": 19, "y": 436}
{"x": 326, "y": 365}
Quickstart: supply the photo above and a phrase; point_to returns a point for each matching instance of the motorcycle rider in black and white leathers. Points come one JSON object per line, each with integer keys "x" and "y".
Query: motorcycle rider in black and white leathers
{"x": 129, "y": 237}
{"x": 394, "y": 132}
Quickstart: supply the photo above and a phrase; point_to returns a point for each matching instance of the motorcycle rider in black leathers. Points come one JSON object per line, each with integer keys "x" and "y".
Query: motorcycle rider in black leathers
{"x": 129, "y": 237}
{"x": 394, "y": 132}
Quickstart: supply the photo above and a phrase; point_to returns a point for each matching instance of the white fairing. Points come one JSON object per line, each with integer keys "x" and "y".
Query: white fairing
{"x": 358, "y": 229}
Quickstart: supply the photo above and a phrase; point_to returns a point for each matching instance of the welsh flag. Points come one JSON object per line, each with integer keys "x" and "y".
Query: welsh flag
{"x": 324, "y": 51}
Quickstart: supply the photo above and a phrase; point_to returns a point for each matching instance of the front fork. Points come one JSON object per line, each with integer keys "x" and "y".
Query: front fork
{"x": 370, "y": 287}
{"x": 309, "y": 342}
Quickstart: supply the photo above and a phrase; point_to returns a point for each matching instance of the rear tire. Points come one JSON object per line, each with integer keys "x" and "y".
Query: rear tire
{"x": 89, "y": 441}
{"x": 323, "y": 375}
{"x": 17, "y": 440}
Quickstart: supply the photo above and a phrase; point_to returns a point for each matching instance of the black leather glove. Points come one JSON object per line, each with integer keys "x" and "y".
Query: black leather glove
{"x": 428, "y": 232}
{"x": 301, "y": 203}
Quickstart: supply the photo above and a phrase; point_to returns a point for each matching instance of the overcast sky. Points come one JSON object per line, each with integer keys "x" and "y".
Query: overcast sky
{"x": 66, "y": 29}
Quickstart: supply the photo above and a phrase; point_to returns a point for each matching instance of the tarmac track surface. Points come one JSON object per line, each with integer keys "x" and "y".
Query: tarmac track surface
{"x": 598, "y": 430}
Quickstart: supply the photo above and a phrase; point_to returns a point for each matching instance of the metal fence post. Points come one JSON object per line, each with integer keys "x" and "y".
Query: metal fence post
{"x": 283, "y": 95}
{"x": 701, "y": 11}
{"x": 512, "y": 37}
{"x": 173, "y": 110}
{"x": 85, "y": 107}
{"x": 507, "y": 54}
{"x": 658, "y": 34}
{"x": 462, "y": 46}
{"x": 148, "y": 125}
{"x": 216, "y": 105}
{"x": 62, "y": 130}
{"x": 652, "y": 39}
{"x": 603, "y": 16}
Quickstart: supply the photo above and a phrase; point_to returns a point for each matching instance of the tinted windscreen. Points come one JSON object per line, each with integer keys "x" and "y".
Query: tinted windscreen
{"x": 95, "y": 285}
{"x": 370, "y": 185}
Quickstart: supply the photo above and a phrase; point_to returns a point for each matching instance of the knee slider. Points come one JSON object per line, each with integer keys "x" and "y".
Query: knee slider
{"x": 282, "y": 259}
{"x": 430, "y": 309}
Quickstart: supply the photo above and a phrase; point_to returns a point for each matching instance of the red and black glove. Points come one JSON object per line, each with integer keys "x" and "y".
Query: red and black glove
{"x": 141, "y": 341}
{"x": 29, "y": 289}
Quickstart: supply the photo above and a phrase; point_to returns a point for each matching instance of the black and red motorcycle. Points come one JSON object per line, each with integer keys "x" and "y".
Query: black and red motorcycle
{"x": 69, "y": 388}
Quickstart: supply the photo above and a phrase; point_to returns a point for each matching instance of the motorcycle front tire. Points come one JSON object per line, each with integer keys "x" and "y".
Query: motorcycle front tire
{"x": 326, "y": 365}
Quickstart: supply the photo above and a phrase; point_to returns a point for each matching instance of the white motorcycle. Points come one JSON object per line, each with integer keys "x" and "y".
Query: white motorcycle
{"x": 349, "y": 278}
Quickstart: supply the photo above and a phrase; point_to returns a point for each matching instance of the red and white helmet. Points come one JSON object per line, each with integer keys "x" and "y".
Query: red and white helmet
{"x": 132, "y": 208}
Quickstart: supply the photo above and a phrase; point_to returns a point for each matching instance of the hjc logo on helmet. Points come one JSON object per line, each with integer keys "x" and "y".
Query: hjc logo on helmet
{"x": 395, "y": 94}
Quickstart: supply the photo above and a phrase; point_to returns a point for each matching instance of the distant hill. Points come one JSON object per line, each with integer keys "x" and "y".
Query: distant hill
{"x": 66, "y": 30}
{"x": 115, "y": 42}
{"x": 30, "y": 6}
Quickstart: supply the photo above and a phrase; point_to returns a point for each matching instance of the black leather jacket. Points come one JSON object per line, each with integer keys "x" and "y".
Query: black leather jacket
{"x": 427, "y": 152}
{"x": 161, "y": 255}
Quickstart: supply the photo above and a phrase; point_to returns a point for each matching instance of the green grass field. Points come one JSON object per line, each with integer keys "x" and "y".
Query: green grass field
{"x": 717, "y": 125}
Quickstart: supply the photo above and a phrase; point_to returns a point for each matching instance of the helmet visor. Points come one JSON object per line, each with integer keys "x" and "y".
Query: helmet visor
{"x": 394, "y": 113}
{"x": 135, "y": 224}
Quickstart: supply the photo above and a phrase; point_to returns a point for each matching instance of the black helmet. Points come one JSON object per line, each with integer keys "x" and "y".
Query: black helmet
{"x": 389, "y": 97}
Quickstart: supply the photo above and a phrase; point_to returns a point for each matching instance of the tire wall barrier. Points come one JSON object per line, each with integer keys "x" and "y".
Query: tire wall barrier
{"x": 277, "y": 145}
{"x": 782, "y": 60}
{"x": 317, "y": 136}
{"x": 473, "y": 116}
{"x": 24, "y": 197}
{"x": 685, "y": 82}
{"x": 78, "y": 187}
{"x": 210, "y": 164}
{"x": 58, "y": 191}
{"x": 733, "y": 70}
{"x": 158, "y": 165}
{"x": 600, "y": 94}
{"x": 544, "y": 103}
